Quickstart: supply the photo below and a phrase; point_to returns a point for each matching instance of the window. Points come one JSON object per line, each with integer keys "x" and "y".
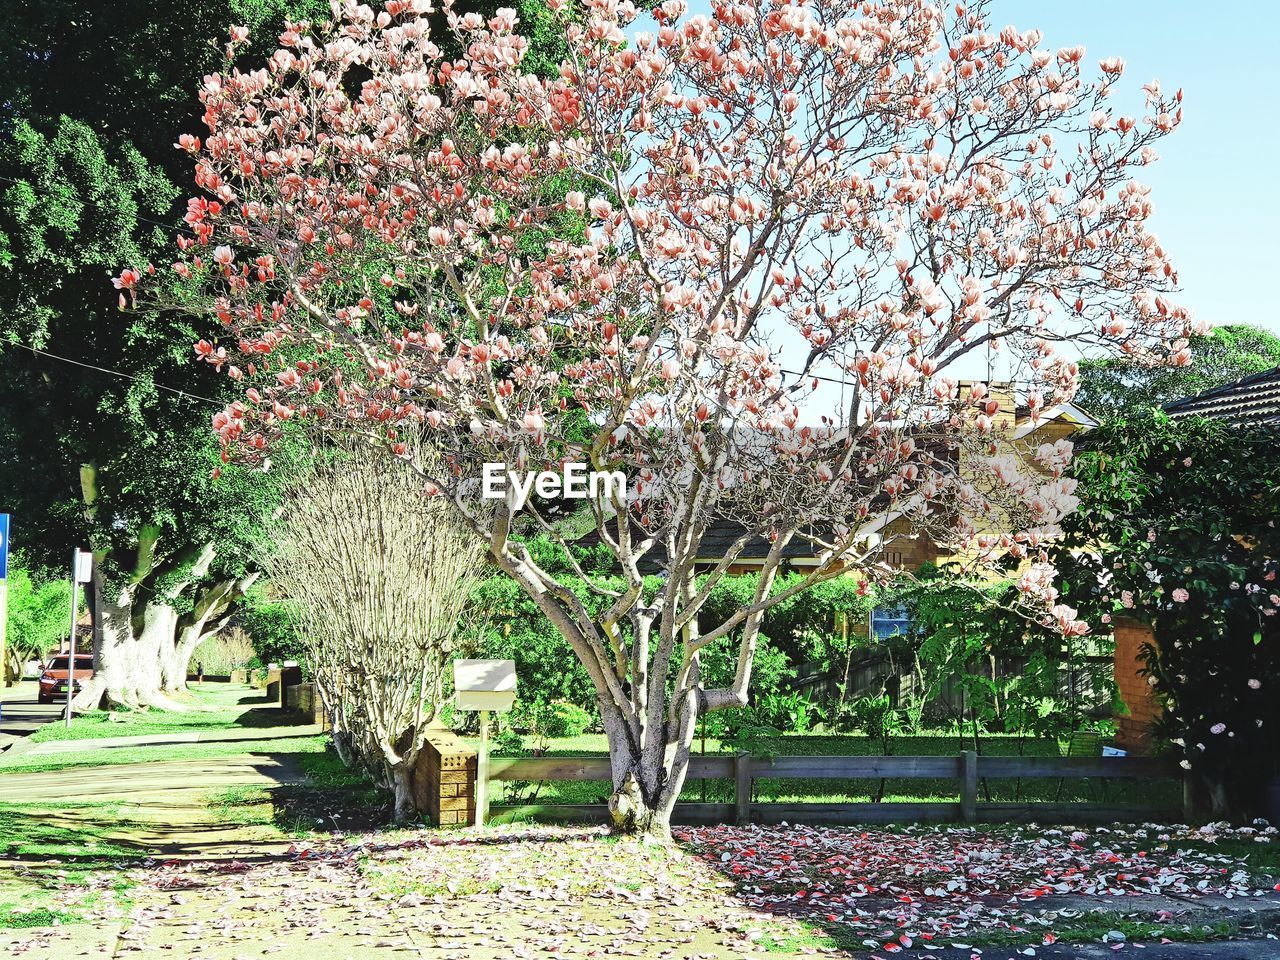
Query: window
{"x": 889, "y": 622}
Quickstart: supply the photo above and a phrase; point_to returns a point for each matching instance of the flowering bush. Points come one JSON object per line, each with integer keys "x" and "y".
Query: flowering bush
{"x": 1179, "y": 530}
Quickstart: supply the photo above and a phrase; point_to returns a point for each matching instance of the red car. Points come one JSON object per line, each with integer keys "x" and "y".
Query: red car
{"x": 53, "y": 679}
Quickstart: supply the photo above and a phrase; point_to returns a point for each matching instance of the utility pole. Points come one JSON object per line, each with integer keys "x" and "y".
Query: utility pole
{"x": 81, "y": 572}
{"x": 4, "y": 599}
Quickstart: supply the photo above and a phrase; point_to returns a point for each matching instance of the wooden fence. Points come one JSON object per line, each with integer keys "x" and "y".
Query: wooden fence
{"x": 968, "y": 768}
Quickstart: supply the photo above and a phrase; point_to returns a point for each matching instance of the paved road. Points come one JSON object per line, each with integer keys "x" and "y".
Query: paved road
{"x": 22, "y": 712}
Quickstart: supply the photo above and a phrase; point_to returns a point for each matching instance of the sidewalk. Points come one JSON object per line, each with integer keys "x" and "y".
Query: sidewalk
{"x": 21, "y": 713}
{"x": 159, "y": 739}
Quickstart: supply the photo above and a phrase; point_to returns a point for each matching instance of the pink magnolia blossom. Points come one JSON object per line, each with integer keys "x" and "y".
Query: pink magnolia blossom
{"x": 898, "y": 187}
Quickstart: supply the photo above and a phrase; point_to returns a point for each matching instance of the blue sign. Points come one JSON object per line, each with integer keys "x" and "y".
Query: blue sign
{"x": 4, "y": 546}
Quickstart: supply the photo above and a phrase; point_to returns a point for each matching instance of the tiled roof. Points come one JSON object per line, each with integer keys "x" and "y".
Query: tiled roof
{"x": 1252, "y": 400}
{"x": 719, "y": 537}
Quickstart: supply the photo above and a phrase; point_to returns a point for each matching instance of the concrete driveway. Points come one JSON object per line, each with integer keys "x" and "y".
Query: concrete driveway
{"x": 21, "y": 712}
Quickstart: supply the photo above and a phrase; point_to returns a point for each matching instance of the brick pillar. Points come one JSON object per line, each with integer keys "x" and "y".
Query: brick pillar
{"x": 444, "y": 781}
{"x": 1133, "y": 732}
{"x": 290, "y": 676}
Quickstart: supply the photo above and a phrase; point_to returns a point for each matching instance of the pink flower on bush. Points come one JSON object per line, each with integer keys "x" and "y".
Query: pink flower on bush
{"x": 1218, "y": 728}
{"x": 1255, "y": 684}
{"x": 1180, "y": 595}
{"x": 1126, "y": 599}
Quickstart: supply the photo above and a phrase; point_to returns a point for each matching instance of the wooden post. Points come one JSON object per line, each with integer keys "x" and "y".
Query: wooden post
{"x": 75, "y": 609}
{"x": 4, "y": 622}
{"x": 482, "y": 772}
{"x": 969, "y": 785}
{"x": 1188, "y": 798}
{"x": 742, "y": 788}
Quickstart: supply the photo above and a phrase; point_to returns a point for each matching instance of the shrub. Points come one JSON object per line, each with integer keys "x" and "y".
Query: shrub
{"x": 225, "y": 651}
{"x": 1180, "y": 532}
{"x": 272, "y": 627}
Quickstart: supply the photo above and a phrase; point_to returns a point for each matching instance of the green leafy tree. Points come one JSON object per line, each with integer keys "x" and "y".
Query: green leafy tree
{"x": 95, "y": 98}
{"x": 1016, "y": 675}
{"x": 1179, "y": 530}
{"x": 37, "y": 619}
{"x": 1116, "y": 386}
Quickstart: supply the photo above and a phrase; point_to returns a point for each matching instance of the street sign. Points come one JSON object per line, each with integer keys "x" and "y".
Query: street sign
{"x": 83, "y": 564}
{"x": 4, "y": 546}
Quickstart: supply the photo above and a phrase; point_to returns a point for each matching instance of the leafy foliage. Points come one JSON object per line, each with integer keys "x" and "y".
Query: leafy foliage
{"x": 1015, "y": 675}
{"x": 272, "y": 625}
{"x": 95, "y": 97}
{"x": 37, "y": 618}
{"x": 1181, "y": 533}
{"x": 1114, "y": 387}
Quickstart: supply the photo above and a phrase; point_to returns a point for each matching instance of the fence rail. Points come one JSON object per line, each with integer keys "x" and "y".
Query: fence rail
{"x": 967, "y": 767}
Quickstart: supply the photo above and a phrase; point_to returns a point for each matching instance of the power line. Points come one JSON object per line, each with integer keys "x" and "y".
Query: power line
{"x": 115, "y": 373}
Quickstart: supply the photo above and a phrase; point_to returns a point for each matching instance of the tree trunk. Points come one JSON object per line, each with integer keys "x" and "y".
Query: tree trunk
{"x": 174, "y": 666}
{"x": 127, "y": 665}
{"x": 406, "y": 810}
{"x": 646, "y": 784}
{"x": 210, "y": 613}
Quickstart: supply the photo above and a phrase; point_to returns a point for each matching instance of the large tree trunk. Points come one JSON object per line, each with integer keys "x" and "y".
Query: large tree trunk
{"x": 211, "y": 612}
{"x": 174, "y": 666}
{"x": 647, "y": 783}
{"x": 127, "y": 662}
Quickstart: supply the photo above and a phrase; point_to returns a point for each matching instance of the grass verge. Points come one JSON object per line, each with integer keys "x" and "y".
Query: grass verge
{"x": 212, "y": 707}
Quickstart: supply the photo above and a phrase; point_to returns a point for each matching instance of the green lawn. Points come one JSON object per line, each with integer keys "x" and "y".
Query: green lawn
{"x": 214, "y": 706}
{"x": 49, "y": 850}
{"x": 158, "y": 753}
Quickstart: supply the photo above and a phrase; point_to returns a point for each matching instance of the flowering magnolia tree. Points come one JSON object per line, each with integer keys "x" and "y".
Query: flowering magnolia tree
{"x": 607, "y": 266}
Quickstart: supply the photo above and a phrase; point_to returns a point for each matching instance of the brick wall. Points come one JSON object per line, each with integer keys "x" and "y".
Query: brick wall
{"x": 905, "y": 551}
{"x": 1133, "y": 732}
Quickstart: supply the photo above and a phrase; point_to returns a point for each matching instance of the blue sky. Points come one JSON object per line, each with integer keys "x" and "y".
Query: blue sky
{"x": 1217, "y": 203}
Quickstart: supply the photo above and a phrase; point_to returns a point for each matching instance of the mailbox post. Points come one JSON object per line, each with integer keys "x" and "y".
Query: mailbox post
{"x": 81, "y": 572}
{"x": 484, "y": 685}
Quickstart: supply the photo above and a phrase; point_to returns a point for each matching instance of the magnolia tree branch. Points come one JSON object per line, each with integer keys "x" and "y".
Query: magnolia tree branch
{"x": 599, "y": 266}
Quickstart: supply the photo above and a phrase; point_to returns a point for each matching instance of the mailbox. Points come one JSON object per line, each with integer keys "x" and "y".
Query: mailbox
{"x": 484, "y": 684}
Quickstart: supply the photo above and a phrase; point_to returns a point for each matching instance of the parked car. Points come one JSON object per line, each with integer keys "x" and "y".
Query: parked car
{"x": 54, "y": 679}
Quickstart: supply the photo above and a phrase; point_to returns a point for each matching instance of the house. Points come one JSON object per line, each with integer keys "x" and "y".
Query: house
{"x": 1249, "y": 401}
{"x": 902, "y": 547}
